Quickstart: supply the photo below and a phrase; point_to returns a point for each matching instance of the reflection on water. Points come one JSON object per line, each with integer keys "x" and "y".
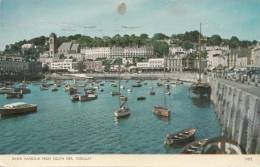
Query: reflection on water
{"x": 201, "y": 101}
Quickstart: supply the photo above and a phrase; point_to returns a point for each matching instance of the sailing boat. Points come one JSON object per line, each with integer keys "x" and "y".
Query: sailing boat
{"x": 162, "y": 110}
{"x": 123, "y": 110}
{"x": 200, "y": 88}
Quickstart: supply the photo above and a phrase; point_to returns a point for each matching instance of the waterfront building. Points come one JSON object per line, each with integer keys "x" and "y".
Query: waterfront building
{"x": 134, "y": 52}
{"x": 239, "y": 57}
{"x": 96, "y": 53}
{"x": 156, "y": 63}
{"x": 52, "y": 44}
{"x": 68, "y": 48}
{"x": 143, "y": 65}
{"x": 46, "y": 59}
{"x": 255, "y": 56}
{"x": 216, "y": 58}
{"x": 152, "y": 64}
{"x": 183, "y": 62}
{"x": 117, "y": 52}
{"x": 174, "y": 63}
{"x": 65, "y": 65}
{"x": 16, "y": 65}
{"x": 92, "y": 66}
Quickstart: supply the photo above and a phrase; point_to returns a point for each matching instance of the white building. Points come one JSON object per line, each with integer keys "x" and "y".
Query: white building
{"x": 241, "y": 62}
{"x": 77, "y": 56}
{"x": 47, "y": 59}
{"x": 239, "y": 57}
{"x": 132, "y": 52}
{"x": 212, "y": 48}
{"x": 117, "y": 52}
{"x": 127, "y": 61}
{"x": 96, "y": 53}
{"x": 216, "y": 58}
{"x": 255, "y": 56}
{"x": 94, "y": 66}
{"x": 27, "y": 46}
{"x": 66, "y": 64}
{"x": 143, "y": 65}
{"x": 156, "y": 63}
{"x": 179, "y": 50}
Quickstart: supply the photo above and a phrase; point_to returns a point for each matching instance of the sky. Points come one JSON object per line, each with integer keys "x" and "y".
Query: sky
{"x": 25, "y": 19}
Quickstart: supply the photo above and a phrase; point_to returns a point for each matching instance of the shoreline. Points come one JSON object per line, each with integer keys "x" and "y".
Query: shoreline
{"x": 182, "y": 76}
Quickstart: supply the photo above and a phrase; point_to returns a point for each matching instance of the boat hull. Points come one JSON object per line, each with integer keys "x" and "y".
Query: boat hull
{"x": 161, "y": 111}
{"x": 17, "y": 111}
{"x": 188, "y": 135}
{"x": 121, "y": 114}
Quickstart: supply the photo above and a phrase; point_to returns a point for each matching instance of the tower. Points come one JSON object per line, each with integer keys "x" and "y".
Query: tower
{"x": 52, "y": 42}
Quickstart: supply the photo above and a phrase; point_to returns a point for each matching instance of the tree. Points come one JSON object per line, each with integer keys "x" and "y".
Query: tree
{"x": 215, "y": 40}
{"x": 160, "y": 48}
{"x": 187, "y": 45}
{"x": 160, "y": 36}
{"x": 234, "y": 42}
{"x": 192, "y": 36}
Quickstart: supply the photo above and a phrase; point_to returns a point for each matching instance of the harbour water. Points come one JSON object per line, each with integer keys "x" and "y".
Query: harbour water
{"x": 64, "y": 127}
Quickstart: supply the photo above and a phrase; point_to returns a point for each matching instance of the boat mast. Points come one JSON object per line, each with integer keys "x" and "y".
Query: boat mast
{"x": 164, "y": 96}
{"x": 200, "y": 55}
{"x": 119, "y": 101}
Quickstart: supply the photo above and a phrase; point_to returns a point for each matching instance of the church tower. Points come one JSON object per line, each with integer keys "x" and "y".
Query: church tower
{"x": 52, "y": 44}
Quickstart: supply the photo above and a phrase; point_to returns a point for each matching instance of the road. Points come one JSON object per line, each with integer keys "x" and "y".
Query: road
{"x": 254, "y": 90}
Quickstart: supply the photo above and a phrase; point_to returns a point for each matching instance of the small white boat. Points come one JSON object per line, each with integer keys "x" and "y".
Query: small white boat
{"x": 129, "y": 90}
{"x": 122, "y": 112}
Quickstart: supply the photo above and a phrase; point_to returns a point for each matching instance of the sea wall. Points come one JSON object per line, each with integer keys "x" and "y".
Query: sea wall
{"x": 238, "y": 112}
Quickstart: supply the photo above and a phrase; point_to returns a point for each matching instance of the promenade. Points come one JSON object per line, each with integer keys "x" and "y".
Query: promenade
{"x": 188, "y": 77}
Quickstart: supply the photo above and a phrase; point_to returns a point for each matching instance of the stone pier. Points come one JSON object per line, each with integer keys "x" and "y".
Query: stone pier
{"x": 238, "y": 109}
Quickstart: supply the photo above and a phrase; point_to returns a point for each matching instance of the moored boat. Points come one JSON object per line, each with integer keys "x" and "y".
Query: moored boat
{"x": 222, "y": 145}
{"x": 123, "y": 98}
{"x": 54, "y": 89}
{"x": 87, "y": 97}
{"x": 72, "y": 90}
{"x": 114, "y": 93}
{"x": 5, "y": 90}
{"x": 141, "y": 98}
{"x": 159, "y": 84}
{"x": 114, "y": 85}
{"x": 17, "y": 108}
{"x": 137, "y": 85}
{"x": 182, "y": 137}
{"x": 122, "y": 112}
{"x": 75, "y": 97}
{"x": 161, "y": 111}
{"x": 194, "y": 147}
{"x": 14, "y": 95}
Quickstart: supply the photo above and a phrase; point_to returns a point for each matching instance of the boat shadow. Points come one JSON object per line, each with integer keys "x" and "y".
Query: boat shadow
{"x": 122, "y": 119}
{"x": 161, "y": 118}
{"x": 201, "y": 102}
{"x": 16, "y": 116}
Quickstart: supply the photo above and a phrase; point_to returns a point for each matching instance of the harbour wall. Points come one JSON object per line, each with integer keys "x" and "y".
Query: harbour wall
{"x": 238, "y": 110}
